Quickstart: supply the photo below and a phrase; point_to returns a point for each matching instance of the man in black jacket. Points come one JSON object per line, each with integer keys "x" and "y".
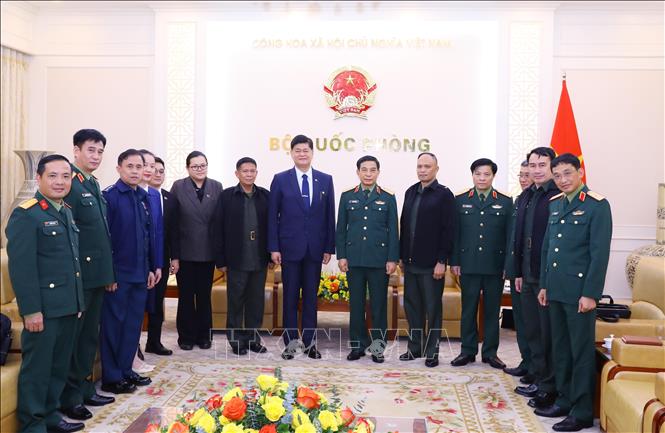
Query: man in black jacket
{"x": 427, "y": 228}
{"x": 170, "y": 215}
{"x": 530, "y": 225}
{"x": 241, "y": 252}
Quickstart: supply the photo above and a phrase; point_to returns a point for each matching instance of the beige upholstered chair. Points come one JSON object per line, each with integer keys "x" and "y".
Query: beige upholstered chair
{"x": 9, "y": 371}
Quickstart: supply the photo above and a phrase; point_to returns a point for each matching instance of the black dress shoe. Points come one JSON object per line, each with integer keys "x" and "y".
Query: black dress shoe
{"x": 122, "y": 387}
{"x": 239, "y": 350}
{"x": 552, "y": 411}
{"x": 355, "y": 355}
{"x": 313, "y": 353}
{"x": 205, "y": 344}
{"x": 186, "y": 346}
{"x": 528, "y": 379}
{"x": 528, "y": 390}
{"x": 378, "y": 358}
{"x": 543, "y": 400}
{"x": 158, "y": 349}
{"x": 66, "y": 427}
{"x": 98, "y": 400}
{"x": 462, "y": 359}
{"x": 409, "y": 356}
{"x": 138, "y": 380}
{"x": 257, "y": 348}
{"x": 287, "y": 354}
{"x": 78, "y": 412}
{"x": 494, "y": 362}
{"x": 570, "y": 423}
{"x": 432, "y": 362}
{"x": 516, "y": 371}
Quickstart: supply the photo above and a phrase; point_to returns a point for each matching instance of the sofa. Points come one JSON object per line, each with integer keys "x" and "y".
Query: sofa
{"x": 647, "y": 306}
{"x": 632, "y": 389}
{"x": 9, "y": 371}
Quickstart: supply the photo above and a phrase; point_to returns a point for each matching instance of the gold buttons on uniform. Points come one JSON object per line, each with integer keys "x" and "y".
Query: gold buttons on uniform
{"x": 53, "y": 233}
{"x": 379, "y": 208}
{"x": 576, "y": 222}
{"x": 482, "y": 212}
{"x": 382, "y": 244}
{"x": 556, "y": 250}
{"x": 480, "y": 248}
{"x": 51, "y": 285}
{"x": 559, "y": 235}
{"x": 481, "y": 236}
{"x": 364, "y": 217}
{"x": 364, "y": 238}
{"x": 563, "y": 221}
{"x": 366, "y": 208}
{"x": 87, "y": 259}
{"x": 364, "y": 227}
{"x": 78, "y": 274}
{"x": 554, "y": 264}
{"x": 481, "y": 224}
{"x": 580, "y": 275}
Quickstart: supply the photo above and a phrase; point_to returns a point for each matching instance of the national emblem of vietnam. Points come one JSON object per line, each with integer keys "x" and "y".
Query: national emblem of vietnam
{"x": 350, "y": 92}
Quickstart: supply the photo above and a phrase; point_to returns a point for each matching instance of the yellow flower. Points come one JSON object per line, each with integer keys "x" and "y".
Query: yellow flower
{"x": 197, "y": 416}
{"x": 207, "y": 423}
{"x": 266, "y": 382}
{"x": 251, "y": 430}
{"x": 224, "y": 420}
{"x": 322, "y": 398}
{"x": 306, "y": 428}
{"x": 232, "y": 428}
{"x": 274, "y": 410}
{"x": 364, "y": 427}
{"x": 328, "y": 420}
{"x": 235, "y": 392}
{"x": 282, "y": 386}
{"x": 273, "y": 399}
{"x": 335, "y": 296}
{"x": 299, "y": 418}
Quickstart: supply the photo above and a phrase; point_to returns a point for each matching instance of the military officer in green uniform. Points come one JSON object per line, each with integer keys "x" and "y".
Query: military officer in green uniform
{"x": 367, "y": 250}
{"x": 89, "y": 210}
{"x": 44, "y": 268}
{"x": 576, "y": 250}
{"x": 478, "y": 259}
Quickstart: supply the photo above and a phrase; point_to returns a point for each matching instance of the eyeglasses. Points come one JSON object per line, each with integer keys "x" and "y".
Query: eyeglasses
{"x": 199, "y": 167}
{"x": 159, "y": 171}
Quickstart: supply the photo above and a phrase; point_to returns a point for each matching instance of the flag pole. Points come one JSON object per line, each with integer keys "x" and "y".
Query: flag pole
{"x": 563, "y": 76}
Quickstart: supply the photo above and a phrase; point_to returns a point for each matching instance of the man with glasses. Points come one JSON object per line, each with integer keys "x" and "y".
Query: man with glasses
{"x": 194, "y": 263}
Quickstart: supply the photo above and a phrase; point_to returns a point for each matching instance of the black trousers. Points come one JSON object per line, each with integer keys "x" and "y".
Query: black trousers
{"x": 156, "y": 318}
{"x": 194, "y": 319}
{"x": 539, "y": 335}
{"x": 245, "y": 296}
{"x": 423, "y": 303}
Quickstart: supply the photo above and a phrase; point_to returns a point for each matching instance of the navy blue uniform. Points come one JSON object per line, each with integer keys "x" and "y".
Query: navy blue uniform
{"x": 132, "y": 235}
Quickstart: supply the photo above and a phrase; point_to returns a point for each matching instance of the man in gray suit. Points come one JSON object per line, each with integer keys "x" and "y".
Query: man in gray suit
{"x": 194, "y": 264}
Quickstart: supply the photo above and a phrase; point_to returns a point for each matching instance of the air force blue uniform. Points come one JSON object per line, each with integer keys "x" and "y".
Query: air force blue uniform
{"x": 132, "y": 240}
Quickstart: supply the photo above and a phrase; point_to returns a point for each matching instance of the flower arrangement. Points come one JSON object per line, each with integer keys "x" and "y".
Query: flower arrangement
{"x": 273, "y": 407}
{"x": 333, "y": 287}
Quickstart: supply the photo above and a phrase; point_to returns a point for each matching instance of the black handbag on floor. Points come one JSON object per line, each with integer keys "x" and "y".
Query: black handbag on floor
{"x": 5, "y": 337}
{"x": 611, "y": 312}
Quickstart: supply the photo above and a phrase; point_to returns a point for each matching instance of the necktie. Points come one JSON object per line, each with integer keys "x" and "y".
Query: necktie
{"x": 366, "y": 192}
{"x": 305, "y": 191}
{"x": 482, "y": 198}
{"x": 566, "y": 202}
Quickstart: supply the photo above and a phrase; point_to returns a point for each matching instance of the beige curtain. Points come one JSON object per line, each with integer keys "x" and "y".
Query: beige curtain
{"x": 12, "y": 127}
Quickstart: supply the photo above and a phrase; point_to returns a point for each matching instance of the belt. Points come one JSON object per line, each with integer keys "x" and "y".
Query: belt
{"x": 252, "y": 235}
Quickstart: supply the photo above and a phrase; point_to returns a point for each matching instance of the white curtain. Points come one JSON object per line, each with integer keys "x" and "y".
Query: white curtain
{"x": 12, "y": 127}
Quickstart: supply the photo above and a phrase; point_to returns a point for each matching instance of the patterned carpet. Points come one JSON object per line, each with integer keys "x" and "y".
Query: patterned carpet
{"x": 452, "y": 400}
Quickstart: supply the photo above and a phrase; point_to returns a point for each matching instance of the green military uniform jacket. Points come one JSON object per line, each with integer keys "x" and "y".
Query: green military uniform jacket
{"x": 367, "y": 231}
{"x": 483, "y": 231}
{"x": 43, "y": 251}
{"x": 576, "y": 247}
{"x": 89, "y": 209}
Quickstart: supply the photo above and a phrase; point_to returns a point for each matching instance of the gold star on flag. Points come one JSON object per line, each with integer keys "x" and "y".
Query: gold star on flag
{"x": 349, "y": 79}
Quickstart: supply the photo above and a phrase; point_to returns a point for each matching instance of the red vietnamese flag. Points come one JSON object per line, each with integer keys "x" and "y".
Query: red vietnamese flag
{"x": 564, "y": 134}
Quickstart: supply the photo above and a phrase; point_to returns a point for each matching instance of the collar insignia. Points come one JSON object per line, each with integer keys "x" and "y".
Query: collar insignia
{"x": 494, "y": 195}
{"x": 44, "y": 204}
{"x": 471, "y": 193}
{"x": 582, "y": 196}
{"x": 80, "y": 177}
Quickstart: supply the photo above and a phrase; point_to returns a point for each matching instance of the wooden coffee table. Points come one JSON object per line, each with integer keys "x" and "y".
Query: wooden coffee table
{"x": 165, "y": 415}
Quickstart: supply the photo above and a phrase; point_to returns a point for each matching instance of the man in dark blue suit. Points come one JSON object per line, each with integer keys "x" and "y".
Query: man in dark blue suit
{"x": 301, "y": 235}
{"x": 132, "y": 235}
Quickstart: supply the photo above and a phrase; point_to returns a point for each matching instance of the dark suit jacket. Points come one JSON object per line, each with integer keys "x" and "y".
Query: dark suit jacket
{"x": 435, "y": 226}
{"x": 157, "y": 220}
{"x": 195, "y": 219}
{"x": 171, "y": 238}
{"x": 293, "y": 230}
{"x": 230, "y": 219}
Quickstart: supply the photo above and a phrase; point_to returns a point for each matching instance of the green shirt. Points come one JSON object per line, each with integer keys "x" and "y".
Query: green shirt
{"x": 575, "y": 193}
{"x": 55, "y": 204}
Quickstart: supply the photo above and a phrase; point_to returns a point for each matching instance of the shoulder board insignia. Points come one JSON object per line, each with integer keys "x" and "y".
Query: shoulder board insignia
{"x": 387, "y": 191}
{"x": 66, "y": 204}
{"x": 44, "y": 204}
{"x": 80, "y": 177}
{"x": 594, "y": 195}
{"x": 559, "y": 195}
{"x": 353, "y": 188}
{"x": 464, "y": 191}
{"x": 28, "y": 203}
{"x": 502, "y": 193}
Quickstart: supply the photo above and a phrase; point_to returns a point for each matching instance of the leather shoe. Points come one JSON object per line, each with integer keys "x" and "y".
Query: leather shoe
{"x": 313, "y": 353}
{"x": 158, "y": 349}
{"x": 98, "y": 400}
{"x": 378, "y": 358}
{"x": 432, "y": 362}
{"x": 570, "y": 423}
{"x": 122, "y": 387}
{"x": 205, "y": 344}
{"x": 527, "y": 391}
{"x": 186, "y": 346}
{"x": 518, "y": 371}
{"x": 66, "y": 427}
{"x": 78, "y": 412}
{"x": 138, "y": 380}
{"x": 494, "y": 362}
{"x": 287, "y": 354}
{"x": 355, "y": 355}
{"x": 552, "y": 411}
{"x": 239, "y": 350}
{"x": 528, "y": 379}
{"x": 257, "y": 348}
{"x": 409, "y": 356}
{"x": 462, "y": 359}
{"x": 542, "y": 400}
